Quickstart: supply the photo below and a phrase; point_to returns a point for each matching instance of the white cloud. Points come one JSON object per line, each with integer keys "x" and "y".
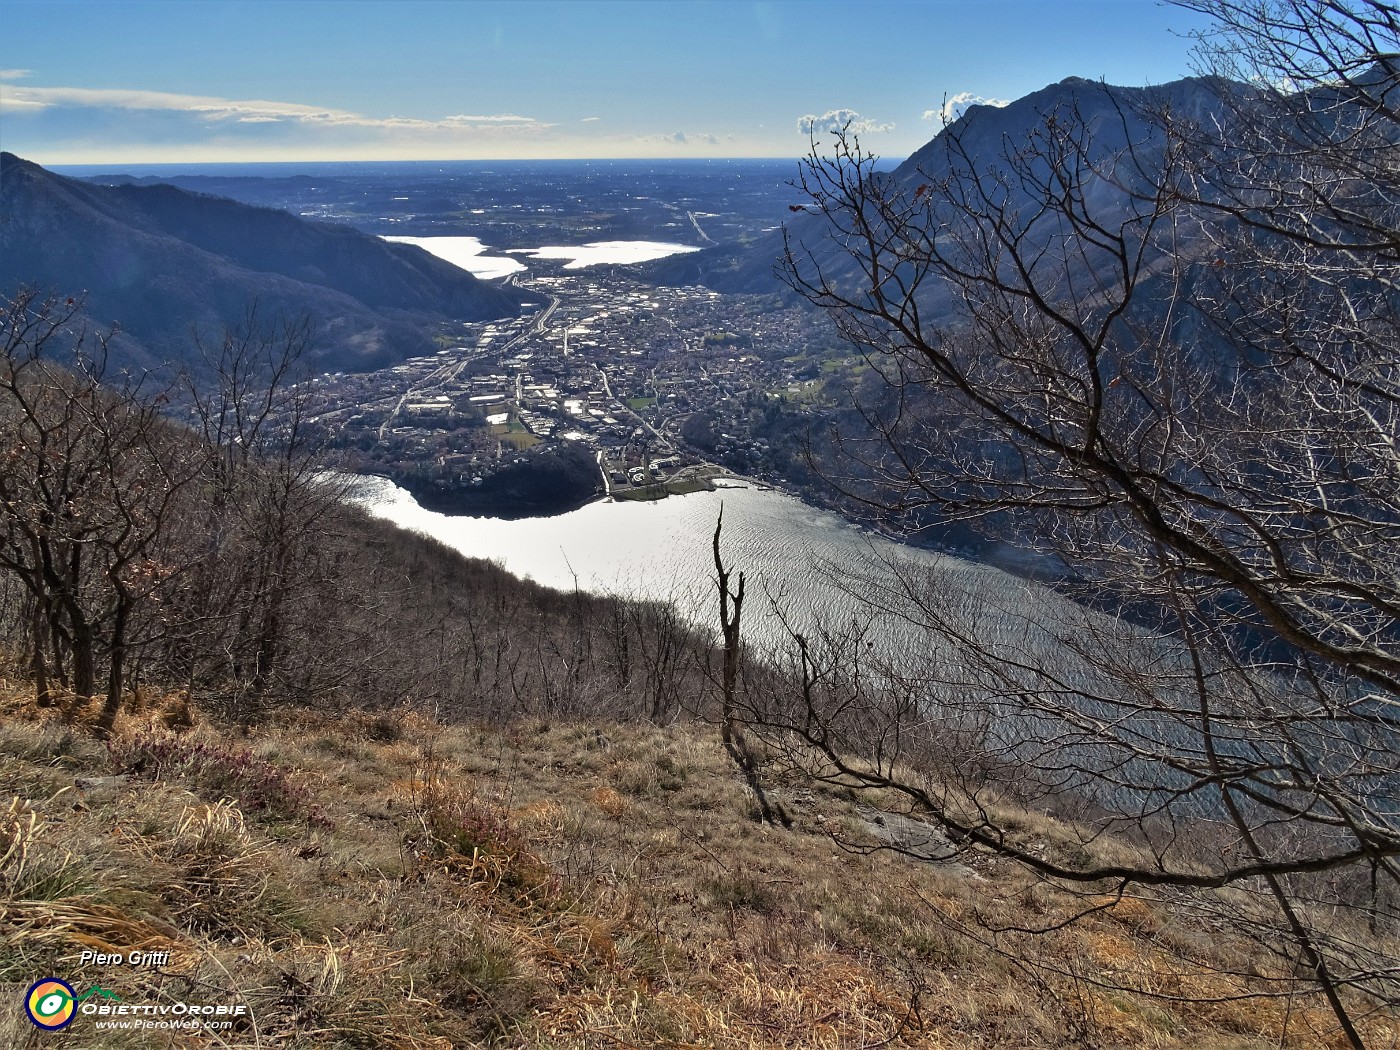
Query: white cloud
{"x": 251, "y": 111}
{"x": 19, "y": 105}
{"x": 837, "y": 119}
{"x": 205, "y": 105}
{"x": 589, "y": 120}
{"x": 681, "y": 138}
{"x": 14, "y": 74}
{"x": 459, "y": 122}
{"x": 495, "y": 118}
{"x": 954, "y": 106}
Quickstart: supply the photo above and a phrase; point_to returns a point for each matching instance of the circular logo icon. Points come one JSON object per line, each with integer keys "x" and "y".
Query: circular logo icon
{"x": 50, "y": 1004}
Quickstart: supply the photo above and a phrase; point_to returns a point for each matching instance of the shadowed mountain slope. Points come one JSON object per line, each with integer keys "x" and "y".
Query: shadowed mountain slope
{"x": 1113, "y": 119}
{"x": 164, "y": 262}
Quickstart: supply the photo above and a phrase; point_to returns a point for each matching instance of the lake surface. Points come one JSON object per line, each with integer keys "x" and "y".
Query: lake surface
{"x": 598, "y": 253}
{"x": 472, "y": 254}
{"x": 468, "y": 253}
{"x": 994, "y": 655}
{"x": 793, "y": 554}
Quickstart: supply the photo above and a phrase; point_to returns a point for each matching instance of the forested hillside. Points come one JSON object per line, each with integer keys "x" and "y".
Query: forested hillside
{"x": 212, "y": 551}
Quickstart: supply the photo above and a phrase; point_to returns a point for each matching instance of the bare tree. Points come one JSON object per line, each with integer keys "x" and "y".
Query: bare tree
{"x": 93, "y": 478}
{"x": 266, "y": 531}
{"x": 1157, "y": 340}
{"x": 731, "y": 610}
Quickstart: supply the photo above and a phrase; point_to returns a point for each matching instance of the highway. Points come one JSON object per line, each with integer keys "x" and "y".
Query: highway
{"x": 696, "y": 223}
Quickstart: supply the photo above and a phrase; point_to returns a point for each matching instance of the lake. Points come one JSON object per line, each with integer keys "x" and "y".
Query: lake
{"x": 599, "y": 253}
{"x": 467, "y": 253}
{"x": 993, "y": 653}
{"x": 795, "y": 556}
{"x": 472, "y": 255}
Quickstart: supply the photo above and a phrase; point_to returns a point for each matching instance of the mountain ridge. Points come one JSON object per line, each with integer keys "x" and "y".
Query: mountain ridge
{"x": 985, "y": 133}
{"x": 165, "y": 262}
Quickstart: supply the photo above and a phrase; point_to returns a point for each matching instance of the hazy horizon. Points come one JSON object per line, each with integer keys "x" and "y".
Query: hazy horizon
{"x": 229, "y": 167}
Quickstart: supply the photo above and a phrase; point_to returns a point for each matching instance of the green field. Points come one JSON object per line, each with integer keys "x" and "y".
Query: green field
{"x": 515, "y": 434}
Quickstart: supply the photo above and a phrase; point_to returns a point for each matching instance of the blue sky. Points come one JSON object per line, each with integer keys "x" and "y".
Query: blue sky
{"x": 98, "y": 81}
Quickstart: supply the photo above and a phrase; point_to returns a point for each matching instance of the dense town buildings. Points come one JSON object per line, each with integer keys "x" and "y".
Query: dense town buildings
{"x": 655, "y": 382}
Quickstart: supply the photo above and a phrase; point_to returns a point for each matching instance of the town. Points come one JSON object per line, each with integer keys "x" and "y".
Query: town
{"x": 663, "y": 387}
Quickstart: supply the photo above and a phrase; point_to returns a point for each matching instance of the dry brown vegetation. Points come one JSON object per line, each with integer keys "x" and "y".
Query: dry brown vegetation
{"x": 384, "y": 880}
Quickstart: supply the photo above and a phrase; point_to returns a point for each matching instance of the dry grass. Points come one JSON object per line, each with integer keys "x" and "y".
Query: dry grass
{"x": 401, "y": 883}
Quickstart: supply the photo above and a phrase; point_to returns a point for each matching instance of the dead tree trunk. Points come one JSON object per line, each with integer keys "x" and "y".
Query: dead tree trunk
{"x": 731, "y": 606}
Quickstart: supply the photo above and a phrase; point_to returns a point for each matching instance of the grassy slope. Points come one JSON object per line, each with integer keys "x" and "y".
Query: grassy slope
{"x": 391, "y": 882}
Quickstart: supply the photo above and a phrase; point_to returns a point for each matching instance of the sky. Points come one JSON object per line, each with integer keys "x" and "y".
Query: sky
{"x": 187, "y": 81}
